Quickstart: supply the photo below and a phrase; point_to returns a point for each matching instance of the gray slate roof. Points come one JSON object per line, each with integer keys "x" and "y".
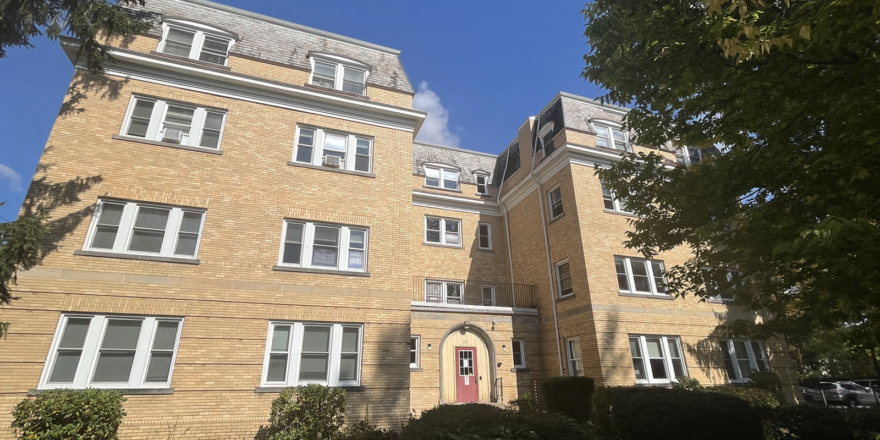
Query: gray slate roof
{"x": 466, "y": 160}
{"x": 280, "y": 41}
{"x": 577, "y": 112}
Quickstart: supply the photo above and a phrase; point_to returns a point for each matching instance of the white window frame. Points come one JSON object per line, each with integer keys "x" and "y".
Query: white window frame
{"x": 667, "y": 358}
{"x": 444, "y": 291}
{"x": 442, "y": 241}
{"x": 550, "y": 202}
{"x": 341, "y": 65}
{"x": 485, "y": 184}
{"x": 92, "y": 346}
{"x": 683, "y": 156}
{"x": 559, "y": 278}
{"x": 627, "y": 261}
{"x": 417, "y": 350}
{"x": 442, "y": 171}
{"x": 294, "y": 354}
{"x": 569, "y": 356}
{"x": 308, "y": 244}
{"x": 608, "y": 195}
{"x": 156, "y": 127}
{"x": 318, "y": 153}
{"x": 488, "y": 235}
{"x": 753, "y": 360}
{"x": 612, "y": 127}
{"x": 522, "y": 350}
{"x": 729, "y": 275}
{"x": 126, "y": 225}
{"x": 200, "y": 31}
{"x": 491, "y": 288}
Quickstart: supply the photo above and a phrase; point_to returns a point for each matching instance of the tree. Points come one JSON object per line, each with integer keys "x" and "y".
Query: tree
{"x": 786, "y": 216}
{"x": 20, "y": 249}
{"x": 21, "y": 20}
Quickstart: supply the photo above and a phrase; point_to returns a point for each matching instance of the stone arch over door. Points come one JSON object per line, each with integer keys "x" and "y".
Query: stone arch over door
{"x": 467, "y": 334}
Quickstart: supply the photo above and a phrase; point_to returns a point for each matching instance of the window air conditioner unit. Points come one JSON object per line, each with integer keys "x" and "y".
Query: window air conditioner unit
{"x": 332, "y": 161}
{"x": 172, "y": 135}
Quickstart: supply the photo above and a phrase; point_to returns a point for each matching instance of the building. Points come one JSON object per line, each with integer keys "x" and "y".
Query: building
{"x": 238, "y": 205}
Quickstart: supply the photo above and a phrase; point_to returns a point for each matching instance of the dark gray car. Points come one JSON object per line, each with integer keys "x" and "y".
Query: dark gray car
{"x": 841, "y": 393}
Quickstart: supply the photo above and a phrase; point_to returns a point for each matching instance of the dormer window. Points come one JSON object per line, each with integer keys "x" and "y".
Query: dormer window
{"x": 688, "y": 156}
{"x": 339, "y": 73}
{"x": 443, "y": 178}
{"x": 195, "y": 41}
{"x": 482, "y": 184}
{"x": 611, "y": 136}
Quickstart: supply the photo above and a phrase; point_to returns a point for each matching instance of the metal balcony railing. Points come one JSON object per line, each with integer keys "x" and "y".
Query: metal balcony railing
{"x": 473, "y": 292}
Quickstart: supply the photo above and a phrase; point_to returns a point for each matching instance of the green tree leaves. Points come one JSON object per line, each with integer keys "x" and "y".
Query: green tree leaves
{"x": 20, "y": 249}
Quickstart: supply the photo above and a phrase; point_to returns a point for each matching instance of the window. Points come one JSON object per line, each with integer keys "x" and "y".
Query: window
{"x": 741, "y": 358}
{"x": 482, "y": 184}
{"x": 196, "y": 42}
{"x": 563, "y": 279}
{"x": 447, "y": 292}
{"x": 172, "y": 122}
{"x": 414, "y": 343}
{"x": 733, "y": 280}
{"x": 302, "y": 353}
{"x": 519, "y": 353}
{"x": 488, "y": 293}
{"x": 314, "y": 146}
{"x": 145, "y": 229}
{"x": 484, "y": 236}
{"x": 641, "y": 277}
{"x": 554, "y": 199}
{"x": 688, "y": 156}
{"x": 657, "y": 359}
{"x": 443, "y": 231}
{"x": 575, "y": 363}
{"x": 610, "y": 137}
{"x": 339, "y": 74}
{"x": 323, "y": 246}
{"x": 612, "y": 202}
{"x": 96, "y": 351}
{"x": 441, "y": 178}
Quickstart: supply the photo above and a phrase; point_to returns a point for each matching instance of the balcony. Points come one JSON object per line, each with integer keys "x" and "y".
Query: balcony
{"x": 433, "y": 292}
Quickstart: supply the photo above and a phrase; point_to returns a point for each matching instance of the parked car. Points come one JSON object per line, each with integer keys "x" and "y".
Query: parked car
{"x": 846, "y": 393}
{"x": 871, "y": 384}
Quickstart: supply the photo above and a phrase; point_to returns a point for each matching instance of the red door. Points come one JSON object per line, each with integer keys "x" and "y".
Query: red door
{"x": 466, "y": 387}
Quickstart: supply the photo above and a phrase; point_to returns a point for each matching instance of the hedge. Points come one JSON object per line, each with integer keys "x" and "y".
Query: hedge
{"x": 486, "y": 422}
{"x": 569, "y": 396}
{"x": 756, "y": 397}
{"x": 811, "y": 423}
{"x": 306, "y": 413}
{"x": 637, "y": 413}
{"x": 69, "y": 414}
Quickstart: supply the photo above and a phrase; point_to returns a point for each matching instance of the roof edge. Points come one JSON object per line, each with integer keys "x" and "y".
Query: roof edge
{"x": 447, "y": 147}
{"x": 294, "y": 26}
{"x": 592, "y": 101}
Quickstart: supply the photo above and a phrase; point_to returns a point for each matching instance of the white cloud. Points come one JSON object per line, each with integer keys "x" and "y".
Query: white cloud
{"x": 11, "y": 177}
{"x": 435, "y": 129}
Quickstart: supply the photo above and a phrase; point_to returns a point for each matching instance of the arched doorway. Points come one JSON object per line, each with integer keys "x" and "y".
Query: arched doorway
{"x": 467, "y": 365}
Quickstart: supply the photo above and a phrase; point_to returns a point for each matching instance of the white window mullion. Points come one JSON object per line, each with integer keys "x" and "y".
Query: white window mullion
{"x": 667, "y": 356}
{"x": 156, "y": 118}
{"x": 308, "y": 243}
{"x": 198, "y": 122}
{"x": 344, "y": 239}
{"x": 650, "y": 270}
{"x": 198, "y": 40}
{"x": 142, "y": 353}
{"x": 293, "y": 362}
{"x": 649, "y": 372}
{"x": 90, "y": 352}
{"x": 318, "y": 151}
{"x": 731, "y": 348}
{"x": 350, "y": 153}
{"x": 335, "y": 355}
{"x": 171, "y": 228}
{"x": 125, "y": 225}
{"x": 629, "y": 276}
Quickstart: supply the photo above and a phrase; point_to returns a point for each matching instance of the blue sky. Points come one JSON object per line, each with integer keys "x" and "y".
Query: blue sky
{"x": 481, "y": 67}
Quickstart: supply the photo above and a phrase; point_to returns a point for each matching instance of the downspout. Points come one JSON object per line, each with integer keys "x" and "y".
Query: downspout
{"x": 507, "y": 227}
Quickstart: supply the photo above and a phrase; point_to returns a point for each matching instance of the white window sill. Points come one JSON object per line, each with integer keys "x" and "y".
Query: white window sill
{"x": 495, "y": 310}
{"x": 457, "y": 190}
{"x": 413, "y": 369}
{"x": 335, "y": 170}
{"x": 126, "y": 391}
{"x": 646, "y": 295}
{"x": 451, "y": 246}
{"x": 517, "y": 369}
{"x": 321, "y": 271}
{"x": 103, "y": 254}
{"x": 625, "y": 214}
{"x": 166, "y": 144}
{"x": 190, "y": 60}
{"x": 277, "y": 389}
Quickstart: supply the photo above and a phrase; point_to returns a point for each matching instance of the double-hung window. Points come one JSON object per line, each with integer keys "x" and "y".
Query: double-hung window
{"x": 195, "y": 41}
{"x": 173, "y": 122}
{"x": 612, "y": 137}
{"x": 442, "y": 178}
{"x": 414, "y": 346}
{"x": 443, "y": 231}
{"x": 519, "y": 353}
{"x": 688, "y": 156}
{"x": 319, "y": 147}
{"x": 339, "y": 74}
{"x": 612, "y": 202}
{"x": 731, "y": 279}
{"x": 484, "y": 236}
{"x": 323, "y": 246}
{"x": 575, "y": 359}
{"x": 563, "y": 279}
{"x": 98, "y": 351}
{"x": 448, "y": 292}
{"x": 145, "y": 229}
{"x": 488, "y": 294}
{"x": 657, "y": 359}
{"x": 640, "y": 277}
{"x": 554, "y": 199}
{"x": 302, "y": 353}
{"x": 742, "y": 358}
{"x": 482, "y": 184}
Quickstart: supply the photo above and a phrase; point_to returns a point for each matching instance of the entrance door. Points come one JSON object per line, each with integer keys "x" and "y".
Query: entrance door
{"x": 466, "y": 387}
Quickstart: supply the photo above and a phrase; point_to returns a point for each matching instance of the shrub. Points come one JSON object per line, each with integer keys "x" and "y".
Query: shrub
{"x": 767, "y": 380}
{"x": 687, "y": 383}
{"x": 69, "y": 414}
{"x": 306, "y": 413}
{"x": 569, "y": 396}
{"x": 756, "y": 397}
{"x": 364, "y": 430}
{"x": 523, "y": 403}
{"x": 812, "y": 423}
{"x": 486, "y": 422}
{"x": 637, "y": 413}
